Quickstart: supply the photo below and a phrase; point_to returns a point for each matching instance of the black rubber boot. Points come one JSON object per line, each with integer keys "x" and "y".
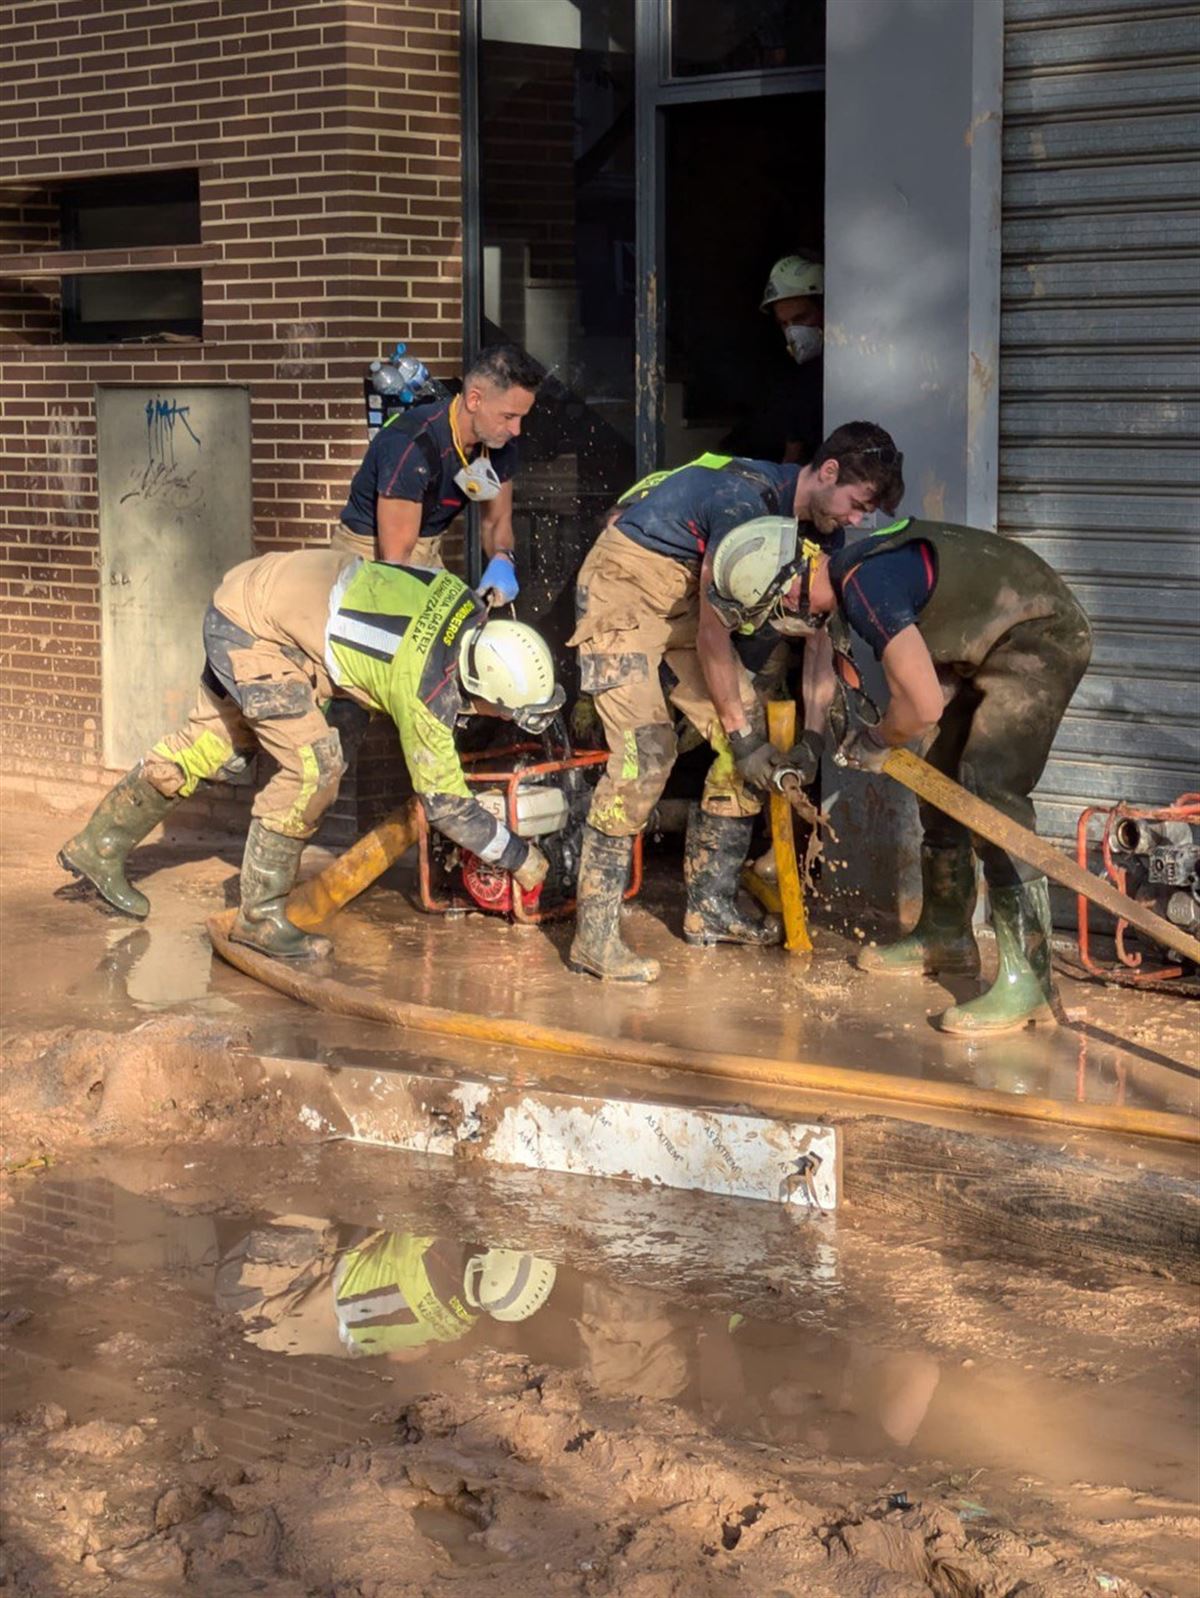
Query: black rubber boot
{"x": 121, "y": 820}
{"x": 1023, "y": 992}
{"x": 597, "y": 948}
{"x": 713, "y": 856}
{"x": 942, "y": 942}
{"x": 269, "y": 868}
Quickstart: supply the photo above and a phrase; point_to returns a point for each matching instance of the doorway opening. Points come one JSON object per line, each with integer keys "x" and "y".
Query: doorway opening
{"x": 744, "y": 184}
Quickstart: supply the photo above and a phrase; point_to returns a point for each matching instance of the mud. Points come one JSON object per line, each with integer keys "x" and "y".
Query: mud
{"x": 182, "y": 1413}
{"x": 715, "y": 1398}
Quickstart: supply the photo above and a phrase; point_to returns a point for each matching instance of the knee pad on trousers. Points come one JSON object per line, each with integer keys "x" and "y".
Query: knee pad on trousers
{"x": 634, "y": 780}
{"x": 320, "y": 774}
{"x": 176, "y": 772}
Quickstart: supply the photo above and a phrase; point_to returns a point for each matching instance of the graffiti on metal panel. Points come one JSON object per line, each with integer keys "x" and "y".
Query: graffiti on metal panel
{"x": 168, "y": 471}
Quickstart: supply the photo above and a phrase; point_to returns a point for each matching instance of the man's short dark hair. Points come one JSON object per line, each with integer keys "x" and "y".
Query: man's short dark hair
{"x": 506, "y": 366}
{"x": 866, "y": 453}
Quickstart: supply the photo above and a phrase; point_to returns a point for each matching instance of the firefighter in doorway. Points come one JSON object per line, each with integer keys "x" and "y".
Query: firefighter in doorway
{"x": 650, "y": 643}
{"x": 983, "y": 645}
{"x": 425, "y": 464}
{"x": 788, "y": 426}
{"x": 283, "y": 634}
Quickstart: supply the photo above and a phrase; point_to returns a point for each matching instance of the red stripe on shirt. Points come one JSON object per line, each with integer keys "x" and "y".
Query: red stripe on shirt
{"x": 400, "y": 463}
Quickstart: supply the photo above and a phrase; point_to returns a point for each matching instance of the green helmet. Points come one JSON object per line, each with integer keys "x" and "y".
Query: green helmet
{"x": 793, "y": 277}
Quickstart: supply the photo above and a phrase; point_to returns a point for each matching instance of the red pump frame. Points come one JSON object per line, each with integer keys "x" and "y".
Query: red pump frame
{"x": 1185, "y": 808}
{"x": 510, "y": 780}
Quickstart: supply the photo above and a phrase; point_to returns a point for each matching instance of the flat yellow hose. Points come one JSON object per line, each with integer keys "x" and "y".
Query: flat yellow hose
{"x": 781, "y": 725}
{"x": 339, "y": 998}
{"x": 949, "y": 796}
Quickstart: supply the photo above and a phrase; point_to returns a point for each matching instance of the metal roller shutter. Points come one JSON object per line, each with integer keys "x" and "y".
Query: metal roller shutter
{"x": 1100, "y": 373}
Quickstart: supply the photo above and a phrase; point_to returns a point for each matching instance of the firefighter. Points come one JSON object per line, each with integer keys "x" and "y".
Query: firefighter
{"x": 982, "y": 645}
{"x": 283, "y": 634}
{"x": 650, "y": 644}
{"x": 788, "y": 426}
{"x": 425, "y": 464}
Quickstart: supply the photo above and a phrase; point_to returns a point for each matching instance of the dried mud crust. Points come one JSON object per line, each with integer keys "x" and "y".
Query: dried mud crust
{"x": 528, "y": 1485}
{"x": 171, "y": 1076}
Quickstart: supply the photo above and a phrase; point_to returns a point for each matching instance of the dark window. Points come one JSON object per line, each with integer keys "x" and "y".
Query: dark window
{"x": 131, "y": 213}
{"x": 710, "y": 36}
{"x": 110, "y": 307}
{"x": 152, "y": 210}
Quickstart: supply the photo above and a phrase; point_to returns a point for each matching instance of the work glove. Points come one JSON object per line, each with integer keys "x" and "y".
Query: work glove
{"x": 864, "y": 750}
{"x": 755, "y": 758}
{"x": 500, "y": 577}
{"x": 587, "y": 730}
{"x": 803, "y": 758}
{"x": 532, "y": 871}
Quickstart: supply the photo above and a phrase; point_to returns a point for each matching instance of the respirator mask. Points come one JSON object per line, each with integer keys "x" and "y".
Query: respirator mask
{"x": 804, "y": 343}
{"x": 478, "y": 480}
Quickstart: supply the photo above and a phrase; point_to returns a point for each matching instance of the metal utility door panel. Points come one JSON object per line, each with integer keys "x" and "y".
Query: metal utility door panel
{"x": 175, "y": 515}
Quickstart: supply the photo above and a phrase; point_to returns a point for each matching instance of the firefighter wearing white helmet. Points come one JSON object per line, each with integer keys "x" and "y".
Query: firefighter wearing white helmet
{"x": 284, "y": 635}
{"x": 786, "y": 424}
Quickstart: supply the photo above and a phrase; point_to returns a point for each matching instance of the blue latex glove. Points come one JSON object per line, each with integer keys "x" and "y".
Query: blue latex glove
{"x": 500, "y": 576}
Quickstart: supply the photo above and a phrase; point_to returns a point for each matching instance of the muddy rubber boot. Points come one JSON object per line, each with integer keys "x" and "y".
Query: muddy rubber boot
{"x": 126, "y": 815}
{"x": 597, "y": 948}
{"x": 1023, "y": 992}
{"x": 942, "y": 942}
{"x": 714, "y": 853}
{"x": 269, "y": 868}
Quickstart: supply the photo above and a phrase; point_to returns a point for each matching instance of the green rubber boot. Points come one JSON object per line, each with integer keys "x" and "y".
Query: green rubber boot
{"x": 597, "y": 949}
{"x": 713, "y": 856}
{"x": 942, "y": 942}
{"x": 1023, "y": 993}
{"x": 269, "y": 868}
{"x": 126, "y": 815}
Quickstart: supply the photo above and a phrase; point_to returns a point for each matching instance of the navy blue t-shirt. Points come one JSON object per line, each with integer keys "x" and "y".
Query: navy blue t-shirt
{"x": 697, "y": 505}
{"x": 413, "y": 457}
{"x": 882, "y": 596}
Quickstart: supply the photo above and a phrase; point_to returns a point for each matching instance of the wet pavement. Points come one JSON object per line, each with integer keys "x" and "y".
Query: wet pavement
{"x": 74, "y": 964}
{"x": 267, "y": 1331}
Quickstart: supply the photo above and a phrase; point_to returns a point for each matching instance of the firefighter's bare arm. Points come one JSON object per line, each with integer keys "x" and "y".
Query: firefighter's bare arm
{"x": 398, "y": 523}
{"x": 495, "y": 522}
{"x": 916, "y": 703}
{"x": 718, "y": 661}
{"x": 818, "y": 682}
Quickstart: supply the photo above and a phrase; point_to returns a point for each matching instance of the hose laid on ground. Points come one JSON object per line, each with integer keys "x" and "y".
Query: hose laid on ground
{"x": 339, "y": 998}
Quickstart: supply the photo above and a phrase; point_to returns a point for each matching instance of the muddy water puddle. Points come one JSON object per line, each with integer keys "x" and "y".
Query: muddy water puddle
{"x": 254, "y": 1334}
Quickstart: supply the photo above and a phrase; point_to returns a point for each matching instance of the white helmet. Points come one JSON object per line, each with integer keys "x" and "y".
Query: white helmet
{"x": 506, "y": 1284}
{"x": 793, "y": 277}
{"x": 509, "y": 664}
{"x": 754, "y": 567}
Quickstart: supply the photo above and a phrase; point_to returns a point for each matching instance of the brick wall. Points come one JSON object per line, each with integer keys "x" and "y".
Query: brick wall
{"x": 326, "y": 136}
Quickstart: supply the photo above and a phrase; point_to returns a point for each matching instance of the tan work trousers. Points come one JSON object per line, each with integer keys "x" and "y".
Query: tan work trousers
{"x": 636, "y": 634}
{"x": 427, "y": 553}
{"x": 276, "y": 710}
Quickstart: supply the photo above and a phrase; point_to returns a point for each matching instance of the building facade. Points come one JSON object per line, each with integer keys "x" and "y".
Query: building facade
{"x": 226, "y": 208}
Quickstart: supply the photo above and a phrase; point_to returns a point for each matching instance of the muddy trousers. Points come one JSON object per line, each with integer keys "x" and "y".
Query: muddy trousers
{"x": 995, "y": 734}
{"x": 427, "y": 553}
{"x": 636, "y": 634}
{"x": 254, "y": 695}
